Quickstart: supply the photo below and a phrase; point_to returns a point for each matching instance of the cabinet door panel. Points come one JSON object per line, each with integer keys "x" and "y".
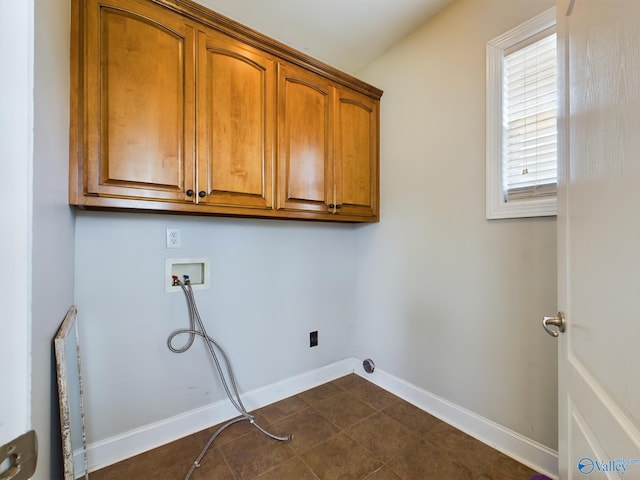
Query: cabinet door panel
{"x": 140, "y": 141}
{"x": 304, "y": 144}
{"x": 235, "y": 124}
{"x": 356, "y": 159}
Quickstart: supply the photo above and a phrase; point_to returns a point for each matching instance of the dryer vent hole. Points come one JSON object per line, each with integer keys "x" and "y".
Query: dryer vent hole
{"x": 368, "y": 365}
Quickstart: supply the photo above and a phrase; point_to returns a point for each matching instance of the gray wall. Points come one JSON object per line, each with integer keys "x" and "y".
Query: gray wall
{"x": 53, "y": 222}
{"x": 447, "y": 300}
{"x": 272, "y": 283}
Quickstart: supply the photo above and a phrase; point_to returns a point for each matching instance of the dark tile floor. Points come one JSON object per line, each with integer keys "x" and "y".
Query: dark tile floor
{"x": 348, "y": 429}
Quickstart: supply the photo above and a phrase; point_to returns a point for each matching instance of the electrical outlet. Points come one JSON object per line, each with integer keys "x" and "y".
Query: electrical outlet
{"x": 313, "y": 339}
{"x": 173, "y": 238}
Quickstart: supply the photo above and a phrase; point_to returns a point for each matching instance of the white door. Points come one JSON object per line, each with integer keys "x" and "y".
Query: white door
{"x": 16, "y": 125}
{"x": 599, "y": 239}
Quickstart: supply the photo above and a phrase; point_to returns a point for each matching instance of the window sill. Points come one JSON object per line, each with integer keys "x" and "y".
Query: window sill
{"x": 544, "y": 207}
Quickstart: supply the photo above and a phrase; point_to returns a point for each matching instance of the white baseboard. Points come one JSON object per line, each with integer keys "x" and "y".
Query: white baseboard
{"x": 526, "y": 451}
{"x": 114, "y": 449}
{"x": 111, "y": 450}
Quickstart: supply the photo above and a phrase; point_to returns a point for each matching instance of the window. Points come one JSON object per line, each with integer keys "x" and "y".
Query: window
{"x": 521, "y": 120}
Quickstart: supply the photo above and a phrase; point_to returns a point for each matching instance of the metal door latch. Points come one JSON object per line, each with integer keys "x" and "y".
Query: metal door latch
{"x": 18, "y": 458}
{"x": 558, "y": 322}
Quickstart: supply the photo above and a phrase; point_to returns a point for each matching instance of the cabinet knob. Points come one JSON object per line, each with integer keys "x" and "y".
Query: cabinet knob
{"x": 189, "y": 193}
{"x": 331, "y": 205}
{"x": 202, "y": 194}
{"x": 338, "y": 206}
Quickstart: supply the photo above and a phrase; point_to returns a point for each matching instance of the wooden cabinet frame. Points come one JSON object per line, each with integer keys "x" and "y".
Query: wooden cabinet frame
{"x": 177, "y": 109}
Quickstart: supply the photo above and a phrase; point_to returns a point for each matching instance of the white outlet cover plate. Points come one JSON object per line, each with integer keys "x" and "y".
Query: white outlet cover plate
{"x": 173, "y": 238}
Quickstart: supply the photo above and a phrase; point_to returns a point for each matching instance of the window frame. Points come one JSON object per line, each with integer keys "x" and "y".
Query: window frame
{"x": 496, "y": 206}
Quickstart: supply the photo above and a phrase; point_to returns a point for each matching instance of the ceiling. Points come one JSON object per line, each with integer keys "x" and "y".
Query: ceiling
{"x": 347, "y": 34}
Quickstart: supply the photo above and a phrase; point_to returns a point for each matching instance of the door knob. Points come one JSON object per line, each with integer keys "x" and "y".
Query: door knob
{"x": 558, "y": 321}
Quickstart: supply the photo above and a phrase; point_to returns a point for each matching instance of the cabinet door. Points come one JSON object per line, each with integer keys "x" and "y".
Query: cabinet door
{"x": 139, "y": 102}
{"x": 236, "y": 123}
{"x": 356, "y": 158}
{"x": 304, "y": 140}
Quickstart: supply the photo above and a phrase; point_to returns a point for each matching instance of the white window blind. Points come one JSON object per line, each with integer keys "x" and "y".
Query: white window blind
{"x": 529, "y": 142}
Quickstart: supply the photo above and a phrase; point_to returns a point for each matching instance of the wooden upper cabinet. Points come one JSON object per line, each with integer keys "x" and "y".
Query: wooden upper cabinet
{"x": 305, "y": 140}
{"x": 139, "y": 102}
{"x": 327, "y": 147}
{"x": 175, "y": 108}
{"x": 236, "y": 118}
{"x": 356, "y": 154}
